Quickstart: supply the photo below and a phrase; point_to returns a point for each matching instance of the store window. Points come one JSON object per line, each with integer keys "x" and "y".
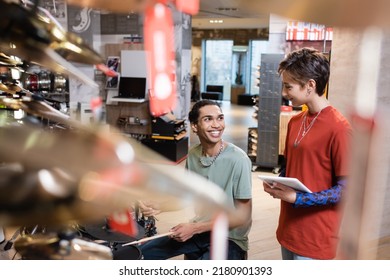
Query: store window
{"x": 218, "y": 65}
{"x": 256, "y": 47}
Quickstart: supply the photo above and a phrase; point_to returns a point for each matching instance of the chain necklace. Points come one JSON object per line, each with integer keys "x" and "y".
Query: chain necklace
{"x": 205, "y": 161}
{"x": 305, "y": 128}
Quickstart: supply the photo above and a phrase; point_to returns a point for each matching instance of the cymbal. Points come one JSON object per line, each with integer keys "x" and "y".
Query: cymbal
{"x": 67, "y": 44}
{"x": 52, "y": 247}
{"x": 104, "y": 173}
{"x": 38, "y": 108}
{"x": 14, "y": 87}
{"x": 24, "y": 34}
{"x": 42, "y": 109}
{"x": 5, "y": 60}
{"x": 49, "y": 191}
{"x": 6, "y": 89}
{"x": 49, "y": 197}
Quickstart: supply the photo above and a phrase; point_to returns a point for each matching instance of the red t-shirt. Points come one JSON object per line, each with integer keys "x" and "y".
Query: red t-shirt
{"x": 320, "y": 157}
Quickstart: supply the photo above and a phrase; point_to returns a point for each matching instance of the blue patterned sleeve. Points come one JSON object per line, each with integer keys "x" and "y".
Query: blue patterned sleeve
{"x": 329, "y": 196}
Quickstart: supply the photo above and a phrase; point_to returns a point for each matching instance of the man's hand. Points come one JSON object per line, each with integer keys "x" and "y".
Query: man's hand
{"x": 149, "y": 208}
{"x": 184, "y": 231}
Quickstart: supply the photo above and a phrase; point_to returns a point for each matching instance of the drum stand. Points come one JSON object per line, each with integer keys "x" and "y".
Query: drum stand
{"x": 10, "y": 243}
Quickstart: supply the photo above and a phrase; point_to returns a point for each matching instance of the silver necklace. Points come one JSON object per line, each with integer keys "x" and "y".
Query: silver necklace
{"x": 208, "y": 161}
{"x": 305, "y": 128}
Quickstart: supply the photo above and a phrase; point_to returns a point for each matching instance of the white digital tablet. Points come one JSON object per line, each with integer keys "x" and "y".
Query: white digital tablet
{"x": 291, "y": 182}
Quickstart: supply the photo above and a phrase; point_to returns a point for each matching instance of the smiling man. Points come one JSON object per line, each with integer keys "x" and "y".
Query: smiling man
{"x": 224, "y": 164}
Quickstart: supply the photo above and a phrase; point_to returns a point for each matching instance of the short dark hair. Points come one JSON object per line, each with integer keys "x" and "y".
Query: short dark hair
{"x": 305, "y": 64}
{"x": 193, "y": 115}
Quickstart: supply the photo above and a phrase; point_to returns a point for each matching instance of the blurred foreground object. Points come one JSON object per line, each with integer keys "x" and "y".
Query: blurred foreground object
{"x": 60, "y": 247}
{"x": 34, "y": 35}
{"x": 364, "y": 204}
{"x": 87, "y": 174}
{"x": 158, "y": 30}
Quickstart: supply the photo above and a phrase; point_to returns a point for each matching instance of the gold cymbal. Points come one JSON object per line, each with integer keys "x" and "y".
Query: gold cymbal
{"x": 5, "y": 60}
{"x": 69, "y": 45}
{"x": 52, "y": 247}
{"x": 29, "y": 37}
{"x": 105, "y": 173}
{"x": 12, "y": 86}
{"x": 42, "y": 109}
{"x": 6, "y": 89}
{"x": 46, "y": 196}
{"x": 35, "y": 107}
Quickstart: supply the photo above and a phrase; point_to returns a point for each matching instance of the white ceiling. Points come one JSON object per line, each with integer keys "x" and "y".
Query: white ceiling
{"x": 340, "y": 13}
{"x": 234, "y": 13}
{"x": 254, "y": 13}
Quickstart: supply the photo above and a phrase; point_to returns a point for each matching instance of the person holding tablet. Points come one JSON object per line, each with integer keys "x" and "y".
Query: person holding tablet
{"x": 316, "y": 154}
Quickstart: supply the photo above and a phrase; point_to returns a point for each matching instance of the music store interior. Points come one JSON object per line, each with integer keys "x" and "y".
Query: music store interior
{"x": 82, "y": 139}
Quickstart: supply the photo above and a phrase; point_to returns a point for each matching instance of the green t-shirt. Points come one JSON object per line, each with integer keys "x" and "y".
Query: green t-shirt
{"x": 232, "y": 171}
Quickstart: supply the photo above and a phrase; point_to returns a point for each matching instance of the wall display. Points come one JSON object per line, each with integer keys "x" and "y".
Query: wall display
{"x": 298, "y": 30}
{"x": 84, "y": 22}
{"x": 132, "y": 87}
{"x": 113, "y": 64}
{"x": 112, "y": 24}
{"x": 58, "y": 9}
{"x": 270, "y": 100}
{"x": 129, "y": 58}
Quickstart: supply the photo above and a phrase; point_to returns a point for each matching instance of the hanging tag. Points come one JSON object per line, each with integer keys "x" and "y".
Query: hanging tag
{"x": 106, "y": 70}
{"x": 159, "y": 42}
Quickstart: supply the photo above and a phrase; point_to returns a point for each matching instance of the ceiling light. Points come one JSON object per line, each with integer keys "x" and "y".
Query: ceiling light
{"x": 227, "y": 9}
{"x": 216, "y": 21}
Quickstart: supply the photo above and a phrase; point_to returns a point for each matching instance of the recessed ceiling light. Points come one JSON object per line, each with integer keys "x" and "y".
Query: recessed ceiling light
{"x": 216, "y": 21}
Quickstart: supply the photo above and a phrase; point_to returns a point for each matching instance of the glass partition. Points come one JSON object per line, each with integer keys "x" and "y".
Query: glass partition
{"x": 256, "y": 47}
{"x": 217, "y": 66}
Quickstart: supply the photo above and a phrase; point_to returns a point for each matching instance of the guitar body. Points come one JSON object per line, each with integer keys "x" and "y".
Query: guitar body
{"x": 85, "y": 21}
